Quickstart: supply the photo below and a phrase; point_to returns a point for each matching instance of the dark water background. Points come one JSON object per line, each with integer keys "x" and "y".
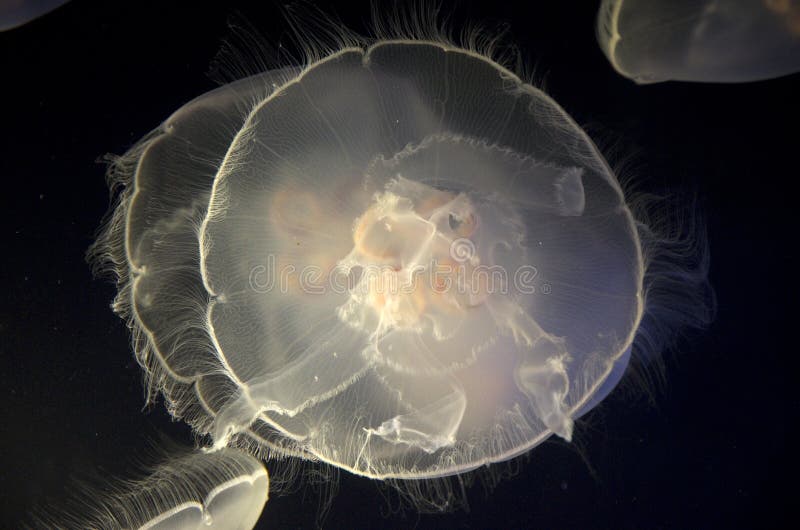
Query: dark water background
{"x": 712, "y": 450}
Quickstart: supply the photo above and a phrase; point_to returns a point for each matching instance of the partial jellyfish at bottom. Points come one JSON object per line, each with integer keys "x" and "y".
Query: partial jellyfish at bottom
{"x": 224, "y": 490}
{"x": 400, "y": 260}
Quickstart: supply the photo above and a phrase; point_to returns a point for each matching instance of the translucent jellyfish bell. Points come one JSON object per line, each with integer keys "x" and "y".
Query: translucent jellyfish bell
{"x": 701, "y": 40}
{"x": 226, "y": 490}
{"x": 15, "y": 13}
{"x": 401, "y": 260}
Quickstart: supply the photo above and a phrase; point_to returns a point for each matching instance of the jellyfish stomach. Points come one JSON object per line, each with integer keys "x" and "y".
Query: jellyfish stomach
{"x": 414, "y": 263}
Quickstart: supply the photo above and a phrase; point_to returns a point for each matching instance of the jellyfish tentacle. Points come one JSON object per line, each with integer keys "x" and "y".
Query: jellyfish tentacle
{"x": 430, "y": 427}
{"x": 541, "y": 373}
{"x": 434, "y": 399}
{"x": 319, "y": 373}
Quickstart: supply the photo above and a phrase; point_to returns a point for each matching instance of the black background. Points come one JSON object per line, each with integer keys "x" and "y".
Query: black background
{"x": 710, "y": 451}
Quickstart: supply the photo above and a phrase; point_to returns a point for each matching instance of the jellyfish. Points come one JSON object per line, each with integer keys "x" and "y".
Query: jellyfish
{"x": 400, "y": 259}
{"x": 223, "y": 490}
{"x": 728, "y": 41}
{"x": 15, "y": 13}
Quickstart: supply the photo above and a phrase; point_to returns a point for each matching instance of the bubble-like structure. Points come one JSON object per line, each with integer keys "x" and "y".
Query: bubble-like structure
{"x": 401, "y": 260}
{"x": 727, "y": 41}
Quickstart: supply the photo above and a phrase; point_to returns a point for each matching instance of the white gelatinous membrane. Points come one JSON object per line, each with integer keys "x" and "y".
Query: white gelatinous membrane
{"x": 224, "y": 490}
{"x": 700, "y": 40}
{"x": 401, "y": 260}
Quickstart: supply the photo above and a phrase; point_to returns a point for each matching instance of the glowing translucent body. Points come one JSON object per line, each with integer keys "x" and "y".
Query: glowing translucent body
{"x": 403, "y": 261}
{"x": 226, "y": 490}
{"x": 15, "y": 13}
{"x": 701, "y": 40}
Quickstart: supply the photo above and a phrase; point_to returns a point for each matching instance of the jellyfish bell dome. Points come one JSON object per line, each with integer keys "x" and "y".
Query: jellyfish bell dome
{"x": 401, "y": 260}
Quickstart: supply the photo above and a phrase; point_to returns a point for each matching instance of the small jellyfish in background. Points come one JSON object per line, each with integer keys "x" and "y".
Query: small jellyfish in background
{"x": 15, "y": 13}
{"x": 701, "y": 40}
{"x": 400, "y": 259}
{"x": 224, "y": 490}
